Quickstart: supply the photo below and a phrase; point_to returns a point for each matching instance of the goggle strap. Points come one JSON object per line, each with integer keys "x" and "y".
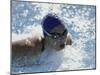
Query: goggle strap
{"x": 48, "y": 34}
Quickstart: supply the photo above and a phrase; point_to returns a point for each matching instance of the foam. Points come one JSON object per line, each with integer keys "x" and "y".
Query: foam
{"x": 30, "y": 31}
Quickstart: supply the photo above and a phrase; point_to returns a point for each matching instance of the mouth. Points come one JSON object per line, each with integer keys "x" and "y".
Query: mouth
{"x": 62, "y": 46}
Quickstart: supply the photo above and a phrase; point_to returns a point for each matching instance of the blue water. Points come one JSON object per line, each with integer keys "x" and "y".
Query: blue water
{"x": 80, "y": 21}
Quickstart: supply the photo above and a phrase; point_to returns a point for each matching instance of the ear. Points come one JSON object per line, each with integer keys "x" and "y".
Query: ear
{"x": 69, "y": 39}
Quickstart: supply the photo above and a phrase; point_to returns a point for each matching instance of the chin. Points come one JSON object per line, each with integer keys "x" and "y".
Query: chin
{"x": 59, "y": 48}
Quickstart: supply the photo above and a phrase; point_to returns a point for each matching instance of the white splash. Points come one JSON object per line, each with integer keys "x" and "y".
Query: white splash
{"x": 29, "y": 31}
{"x": 67, "y": 59}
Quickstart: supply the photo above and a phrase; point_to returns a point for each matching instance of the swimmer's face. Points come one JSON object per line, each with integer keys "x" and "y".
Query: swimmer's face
{"x": 58, "y": 38}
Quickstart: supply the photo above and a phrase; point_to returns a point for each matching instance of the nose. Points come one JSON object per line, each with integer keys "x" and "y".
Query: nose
{"x": 62, "y": 45}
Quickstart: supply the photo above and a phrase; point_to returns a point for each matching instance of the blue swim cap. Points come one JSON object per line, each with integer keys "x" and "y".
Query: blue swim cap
{"x": 49, "y": 22}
